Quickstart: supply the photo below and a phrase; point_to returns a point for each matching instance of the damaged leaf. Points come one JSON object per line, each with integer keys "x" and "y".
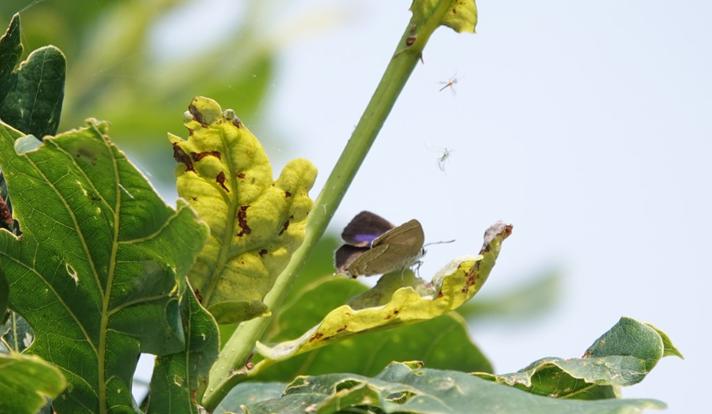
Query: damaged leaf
{"x": 104, "y": 258}
{"x": 400, "y": 298}
{"x": 31, "y": 95}
{"x": 623, "y": 356}
{"x": 407, "y": 387}
{"x": 256, "y": 223}
{"x": 16, "y": 334}
{"x": 27, "y": 382}
{"x": 442, "y": 342}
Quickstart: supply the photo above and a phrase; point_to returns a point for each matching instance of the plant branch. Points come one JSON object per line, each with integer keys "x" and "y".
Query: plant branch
{"x": 227, "y": 370}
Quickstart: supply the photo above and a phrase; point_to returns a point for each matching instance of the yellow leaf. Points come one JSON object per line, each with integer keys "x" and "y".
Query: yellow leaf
{"x": 398, "y": 298}
{"x": 255, "y": 223}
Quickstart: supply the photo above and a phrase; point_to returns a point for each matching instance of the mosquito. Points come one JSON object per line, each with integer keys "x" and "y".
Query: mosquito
{"x": 443, "y": 158}
{"x": 450, "y": 83}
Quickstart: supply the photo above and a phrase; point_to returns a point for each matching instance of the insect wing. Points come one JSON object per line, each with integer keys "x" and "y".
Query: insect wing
{"x": 364, "y": 228}
{"x": 345, "y": 255}
{"x": 374, "y": 261}
{"x": 396, "y": 249}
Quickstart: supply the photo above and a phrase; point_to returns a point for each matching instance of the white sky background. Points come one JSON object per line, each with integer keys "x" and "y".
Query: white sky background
{"x": 586, "y": 125}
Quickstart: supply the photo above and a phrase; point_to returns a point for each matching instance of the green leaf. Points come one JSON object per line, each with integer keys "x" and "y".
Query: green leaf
{"x": 255, "y": 223}
{"x": 179, "y": 380}
{"x": 459, "y": 15}
{"x": 636, "y": 339}
{"x": 400, "y": 298}
{"x": 10, "y": 52}
{"x": 668, "y": 348}
{"x": 406, "y": 387}
{"x": 623, "y": 356}
{"x": 4, "y": 293}
{"x": 26, "y": 382}
{"x": 250, "y": 394}
{"x": 442, "y": 342}
{"x": 31, "y": 96}
{"x": 96, "y": 270}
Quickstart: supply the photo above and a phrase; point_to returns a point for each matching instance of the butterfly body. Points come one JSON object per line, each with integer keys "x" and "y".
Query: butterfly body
{"x": 375, "y": 246}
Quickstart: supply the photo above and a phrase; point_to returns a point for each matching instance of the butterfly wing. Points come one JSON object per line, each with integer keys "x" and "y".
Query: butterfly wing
{"x": 396, "y": 249}
{"x": 364, "y": 228}
{"x": 345, "y": 255}
{"x": 371, "y": 262}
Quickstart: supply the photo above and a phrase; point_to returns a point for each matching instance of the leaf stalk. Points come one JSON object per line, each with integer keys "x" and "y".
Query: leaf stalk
{"x": 227, "y": 370}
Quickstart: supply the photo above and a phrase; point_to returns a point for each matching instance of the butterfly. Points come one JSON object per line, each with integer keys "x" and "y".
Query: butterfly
{"x": 375, "y": 246}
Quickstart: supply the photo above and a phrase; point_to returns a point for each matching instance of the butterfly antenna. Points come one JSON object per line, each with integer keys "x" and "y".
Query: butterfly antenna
{"x": 439, "y": 242}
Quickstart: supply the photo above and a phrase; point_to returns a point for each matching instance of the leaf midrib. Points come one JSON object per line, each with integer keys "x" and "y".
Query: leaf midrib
{"x": 230, "y": 226}
{"x": 100, "y": 350}
{"x": 109, "y": 280}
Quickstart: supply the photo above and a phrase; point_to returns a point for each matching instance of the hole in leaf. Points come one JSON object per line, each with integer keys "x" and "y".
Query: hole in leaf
{"x": 346, "y": 385}
{"x": 401, "y": 397}
{"x": 26, "y": 144}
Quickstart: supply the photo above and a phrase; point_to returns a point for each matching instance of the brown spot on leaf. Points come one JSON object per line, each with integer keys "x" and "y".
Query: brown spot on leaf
{"x": 221, "y": 180}
{"x": 284, "y": 227}
{"x": 241, "y": 175}
{"x": 198, "y": 295}
{"x": 180, "y": 156}
{"x": 471, "y": 278}
{"x": 287, "y": 194}
{"x": 343, "y": 328}
{"x": 194, "y": 198}
{"x": 237, "y": 122}
{"x": 316, "y": 337}
{"x": 263, "y": 252}
{"x": 197, "y": 156}
{"x": 196, "y": 115}
{"x": 242, "y": 221}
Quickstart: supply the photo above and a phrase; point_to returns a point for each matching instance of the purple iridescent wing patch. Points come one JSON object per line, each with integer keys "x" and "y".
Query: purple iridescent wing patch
{"x": 364, "y": 228}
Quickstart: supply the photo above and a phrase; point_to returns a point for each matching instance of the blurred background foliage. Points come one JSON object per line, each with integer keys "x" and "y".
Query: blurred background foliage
{"x": 116, "y": 73}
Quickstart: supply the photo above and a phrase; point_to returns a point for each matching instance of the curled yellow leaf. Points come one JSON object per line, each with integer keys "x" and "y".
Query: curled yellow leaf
{"x": 255, "y": 222}
{"x": 398, "y": 298}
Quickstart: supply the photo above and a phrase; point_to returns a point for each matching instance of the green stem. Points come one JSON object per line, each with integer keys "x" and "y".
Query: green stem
{"x": 226, "y": 372}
